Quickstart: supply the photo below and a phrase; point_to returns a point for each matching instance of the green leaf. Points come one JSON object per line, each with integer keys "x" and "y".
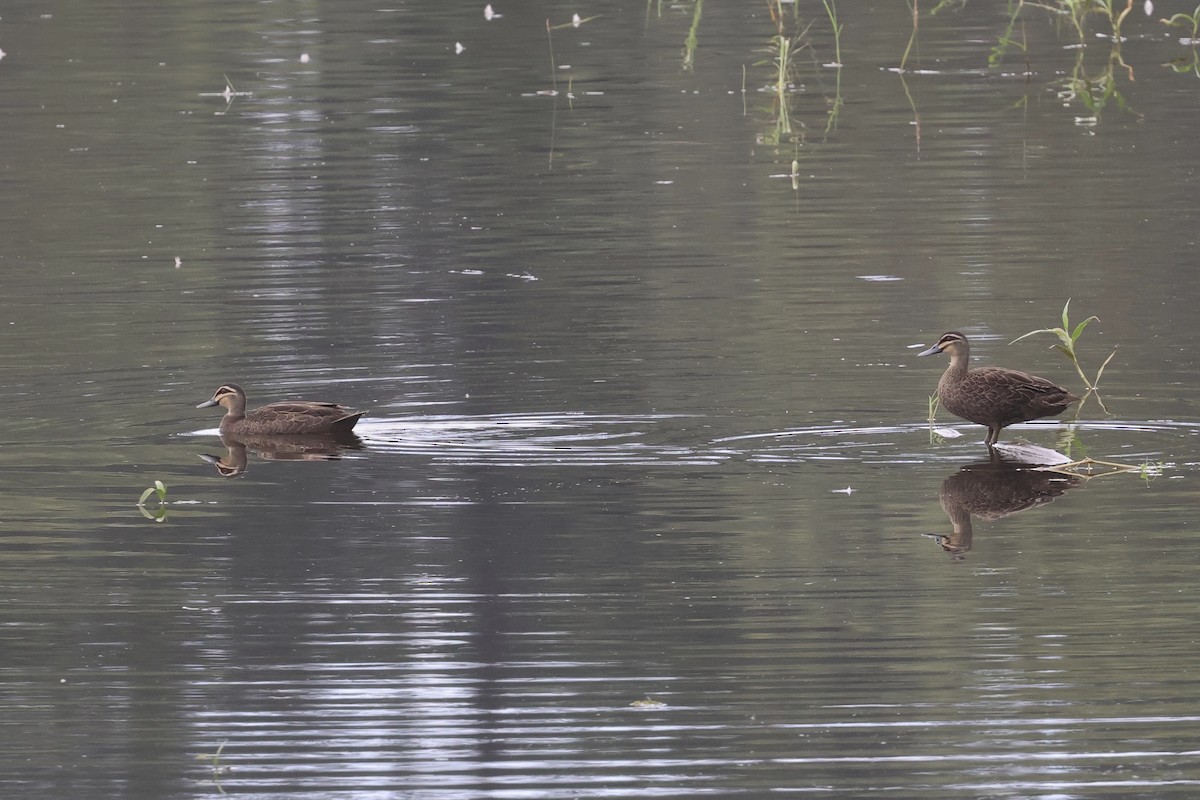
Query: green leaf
{"x": 1066, "y": 320}
{"x": 1032, "y": 333}
{"x": 1100, "y": 371}
{"x": 142, "y": 500}
{"x": 1079, "y": 328}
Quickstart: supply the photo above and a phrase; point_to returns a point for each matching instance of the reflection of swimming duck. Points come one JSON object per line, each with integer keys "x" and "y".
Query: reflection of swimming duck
{"x": 310, "y": 447}
{"x": 994, "y": 490}
{"x": 289, "y": 417}
{"x": 993, "y": 396}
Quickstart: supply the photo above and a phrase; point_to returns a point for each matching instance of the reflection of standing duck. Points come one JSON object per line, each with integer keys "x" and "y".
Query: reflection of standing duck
{"x": 993, "y": 490}
{"x": 993, "y": 396}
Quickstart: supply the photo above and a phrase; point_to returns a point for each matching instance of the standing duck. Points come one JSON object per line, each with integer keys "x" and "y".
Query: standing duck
{"x": 993, "y": 396}
{"x": 291, "y": 417}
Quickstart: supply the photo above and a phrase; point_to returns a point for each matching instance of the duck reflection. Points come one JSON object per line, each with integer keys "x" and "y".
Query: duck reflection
{"x": 308, "y": 447}
{"x": 993, "y": 490}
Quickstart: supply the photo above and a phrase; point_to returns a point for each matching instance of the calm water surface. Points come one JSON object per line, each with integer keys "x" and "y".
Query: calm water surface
{"x": 646, "y": 502}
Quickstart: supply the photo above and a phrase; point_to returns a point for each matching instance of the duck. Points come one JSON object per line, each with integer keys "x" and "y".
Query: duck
{"x": 995, "y": 397}
{"x": 290, "y": 417}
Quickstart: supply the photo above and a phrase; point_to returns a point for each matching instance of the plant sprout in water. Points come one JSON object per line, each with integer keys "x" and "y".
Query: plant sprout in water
{"x": 1067, "y": 337}
{"x": 158, "y": 514}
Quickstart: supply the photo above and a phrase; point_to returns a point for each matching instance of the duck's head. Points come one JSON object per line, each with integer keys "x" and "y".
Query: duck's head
{"x": 229, "y": 396}
{"x": 953, "y": 342}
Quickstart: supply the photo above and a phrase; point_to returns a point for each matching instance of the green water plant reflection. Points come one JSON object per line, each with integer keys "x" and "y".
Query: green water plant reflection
{"x": 1191, "y": 23}
{"x": 1095, "y": 87}
{"x": 791, "y": 38}
{"x": 218, "y": 769}
{"x": 1075, "y": 12}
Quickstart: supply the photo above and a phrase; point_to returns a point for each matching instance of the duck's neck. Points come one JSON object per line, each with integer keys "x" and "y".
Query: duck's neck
{"x": 235, "y": 411}
{"x": 959, "y": 360}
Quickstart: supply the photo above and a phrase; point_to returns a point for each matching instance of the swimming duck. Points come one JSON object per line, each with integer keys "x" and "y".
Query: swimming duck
{"x": 993, "y": 396}
{"x": 289, "y": 417}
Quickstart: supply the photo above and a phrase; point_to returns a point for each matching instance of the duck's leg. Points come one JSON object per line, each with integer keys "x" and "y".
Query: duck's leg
{"x": 993, "y": 436}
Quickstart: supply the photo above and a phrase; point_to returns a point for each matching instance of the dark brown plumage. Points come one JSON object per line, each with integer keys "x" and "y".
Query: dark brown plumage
{"x": 289, "y": 417}
{"x": 993, "y": 396}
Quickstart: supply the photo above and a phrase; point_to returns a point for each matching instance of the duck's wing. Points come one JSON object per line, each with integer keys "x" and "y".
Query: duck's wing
{"x": 1015, "y": 389}
{"x": 301, "y": 416}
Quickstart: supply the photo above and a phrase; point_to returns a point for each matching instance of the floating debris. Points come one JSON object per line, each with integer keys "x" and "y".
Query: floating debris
{"x": 458, "y": 48}
{"x": 1094, "y": 468}
{"x": 647, "y": 702}
{"x": 228, "y": 93}
{"x": 1026, "y": 453}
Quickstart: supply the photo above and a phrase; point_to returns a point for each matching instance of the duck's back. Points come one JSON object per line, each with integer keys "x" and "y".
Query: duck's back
{"x": 297, "y": 417}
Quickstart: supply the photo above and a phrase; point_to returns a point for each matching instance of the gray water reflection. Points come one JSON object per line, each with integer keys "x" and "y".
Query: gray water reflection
{"x": 645, "y": 481}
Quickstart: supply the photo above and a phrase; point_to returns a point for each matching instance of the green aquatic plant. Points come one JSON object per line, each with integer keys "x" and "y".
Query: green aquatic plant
{"x": 1075, "y": 12}
{"x": 218, "y": 769}
{"x": 791, "y": 38}
{"x": 782, "y": 49}
{"x": 935, "y": 403}
{"x": 835, "y": 106}
{"x": 1187, "y": 21}
{"x": 693, "y": 38}
{"x": 1109, "y": 9}
{"x": 831, "y": 12}
{"x": 1094, "y": 87}
{"x": 1067, "y": 337}
{"x": 1182, "y": 20}
{"x": 1008, "y": 38}
{"x": 158, "y": 514}
{"x": 1151, "y": 470}
{"x": 914, "y": 8}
